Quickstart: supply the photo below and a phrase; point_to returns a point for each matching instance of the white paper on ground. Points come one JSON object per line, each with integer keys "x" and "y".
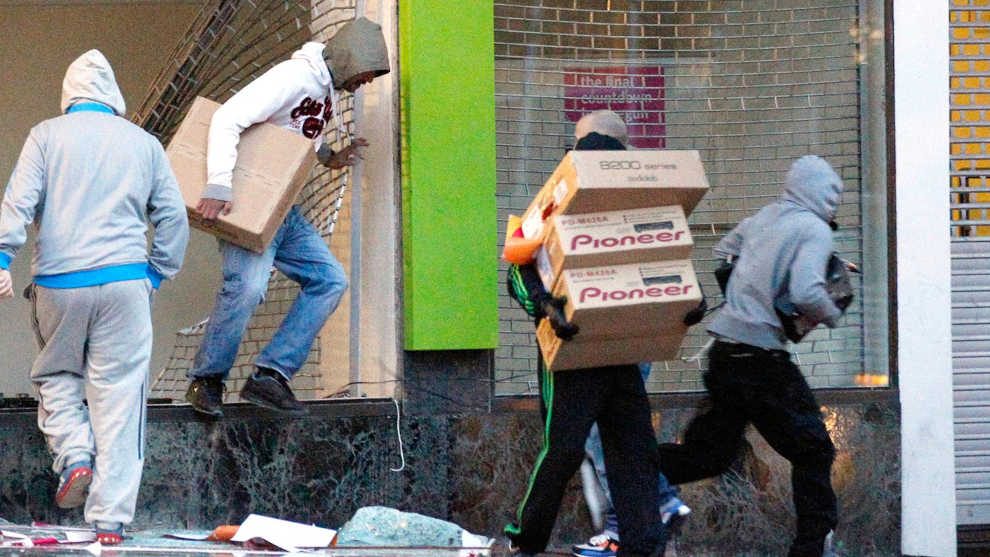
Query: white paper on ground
{"x": 13, "y": 539}
{"x": 283, "y": 534}
{"x": 76, "y": 536}
{"x": 191, "y": 536}
{"x": 480, "y": 546}
{"x": 13, "y": 535}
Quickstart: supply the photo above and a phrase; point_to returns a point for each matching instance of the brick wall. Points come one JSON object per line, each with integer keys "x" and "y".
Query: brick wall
{"x": 751, "y": 84}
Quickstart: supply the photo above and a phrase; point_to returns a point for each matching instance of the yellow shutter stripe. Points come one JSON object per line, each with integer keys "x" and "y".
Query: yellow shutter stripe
{"x": 969, "y": 135}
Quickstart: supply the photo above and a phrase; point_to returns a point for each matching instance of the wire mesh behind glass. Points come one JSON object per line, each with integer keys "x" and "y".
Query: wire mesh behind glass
{"x": 751, "y": 84}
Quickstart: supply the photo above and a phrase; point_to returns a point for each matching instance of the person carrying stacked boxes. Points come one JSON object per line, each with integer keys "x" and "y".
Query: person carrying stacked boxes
{"x": 673, "y": 511}
{"x": 611, "y": 398}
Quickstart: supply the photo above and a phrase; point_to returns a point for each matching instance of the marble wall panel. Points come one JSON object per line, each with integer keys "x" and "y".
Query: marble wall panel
{"x": 469, "y": 469}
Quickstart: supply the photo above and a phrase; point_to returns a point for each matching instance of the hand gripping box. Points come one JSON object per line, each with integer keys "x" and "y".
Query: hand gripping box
{"x": 627, "y": 313}
{"x": 598, "y": 181}
{"x": 613, "y": 238}
{"x": 272, "y": 166}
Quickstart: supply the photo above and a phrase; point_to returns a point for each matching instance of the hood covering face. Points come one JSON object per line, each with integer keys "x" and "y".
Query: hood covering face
{"x": 90, "y": 78}
{"x": 814, "y": 185}
{"x": 357, "y": 47}
{"x": 604, "y": 122}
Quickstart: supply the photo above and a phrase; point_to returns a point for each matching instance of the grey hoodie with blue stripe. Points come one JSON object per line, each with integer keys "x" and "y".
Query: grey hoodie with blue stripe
{"x": 90, "y": 180}
{"x": 782, "y": 253}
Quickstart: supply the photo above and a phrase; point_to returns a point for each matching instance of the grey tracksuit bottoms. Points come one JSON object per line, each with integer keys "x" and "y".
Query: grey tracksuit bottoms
{"x": 95, "y": 344}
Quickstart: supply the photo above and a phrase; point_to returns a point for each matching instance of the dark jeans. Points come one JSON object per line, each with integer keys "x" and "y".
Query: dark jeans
{"x": 616, "y": 399}
{"x": 747, "y": 384}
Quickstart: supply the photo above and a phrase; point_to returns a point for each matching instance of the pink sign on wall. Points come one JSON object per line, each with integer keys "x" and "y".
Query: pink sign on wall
{"x": 636, "y": 93}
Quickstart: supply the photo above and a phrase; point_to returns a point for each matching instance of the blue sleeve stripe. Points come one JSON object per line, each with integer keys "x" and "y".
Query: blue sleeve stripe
{"x": 81, "y": 279}
{"x": 155, "y": 277}
{"x": 5, "y": 260}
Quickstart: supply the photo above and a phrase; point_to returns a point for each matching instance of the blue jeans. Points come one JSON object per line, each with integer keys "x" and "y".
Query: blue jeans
{"x": 593, "y": 448}
{"x": 300, "y": 253}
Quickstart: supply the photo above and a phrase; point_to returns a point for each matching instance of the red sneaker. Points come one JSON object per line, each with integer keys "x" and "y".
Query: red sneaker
{"x": 110, "y": 536}
{"x": 73, "y": 485}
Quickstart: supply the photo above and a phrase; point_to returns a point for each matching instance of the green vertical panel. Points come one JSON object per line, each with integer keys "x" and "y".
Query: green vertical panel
{"x": 448, "y": 174}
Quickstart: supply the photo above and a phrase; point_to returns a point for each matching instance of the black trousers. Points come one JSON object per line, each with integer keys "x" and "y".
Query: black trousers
{"x": 747, "y": 384}
{"x": 575, "y": 399}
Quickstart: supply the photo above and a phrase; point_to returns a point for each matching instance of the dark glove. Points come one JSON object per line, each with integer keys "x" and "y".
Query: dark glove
{"x": 844, "y": 302}
{"x": 553, "y": 310}
{"x": 695, "y": 316}
{"x": 323, "y": 154}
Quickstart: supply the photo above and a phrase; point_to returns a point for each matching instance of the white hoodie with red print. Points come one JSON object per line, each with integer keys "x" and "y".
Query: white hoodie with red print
{"x": 294, "y": 95}
{"x": 297, "y": 95}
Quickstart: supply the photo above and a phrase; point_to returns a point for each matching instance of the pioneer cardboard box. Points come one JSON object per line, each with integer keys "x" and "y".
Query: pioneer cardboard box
{"x": 578, "y": 353}
{"x": 613, "y": 238}
{"x": 273, "y": 164}
{"x": 597, "y": 181}
{"x": 637, "y": 300}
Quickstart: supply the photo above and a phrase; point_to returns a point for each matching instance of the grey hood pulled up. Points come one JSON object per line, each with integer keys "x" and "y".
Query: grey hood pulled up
{"x": 91, "y": 78}
{"x": 813, "y": 184}
{"x": 358, "y": 47}
{"x": 782, "y": 254}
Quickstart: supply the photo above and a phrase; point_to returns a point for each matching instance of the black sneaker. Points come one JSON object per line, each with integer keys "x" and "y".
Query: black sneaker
{"x": 269, "y": 389}
{"x": 816, "y": 547}
{"x": 205, "y": 394}
{"x": 518, "y": 552}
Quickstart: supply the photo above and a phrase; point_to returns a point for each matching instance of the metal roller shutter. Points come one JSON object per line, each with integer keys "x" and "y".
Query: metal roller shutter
{"x": 970, "y": 195}
{"x": 751, "y": 84}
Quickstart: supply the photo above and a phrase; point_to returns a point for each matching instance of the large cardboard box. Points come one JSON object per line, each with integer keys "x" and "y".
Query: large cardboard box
{"x": 598, "y": 181}
{"x": 579, "y": 353}
{"x": 273, "y": 164}
{"x": 613, "y": 238}
{"x": 637, "y": 300}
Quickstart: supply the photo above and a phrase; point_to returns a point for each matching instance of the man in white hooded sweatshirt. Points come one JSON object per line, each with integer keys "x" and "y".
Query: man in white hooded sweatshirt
{"x": 89, "y": 181}
{"x": 298, "y": 95}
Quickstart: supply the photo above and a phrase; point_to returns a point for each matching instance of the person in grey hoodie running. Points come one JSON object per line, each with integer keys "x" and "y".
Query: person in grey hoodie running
{"x": 780, "y": 258}
{"x": 89, "y": 181}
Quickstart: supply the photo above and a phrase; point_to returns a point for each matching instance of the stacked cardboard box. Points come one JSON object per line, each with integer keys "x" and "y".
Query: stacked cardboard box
{"x": 272, "y": 166}
{"x": 617, "y": 245}
{"x": 613, "y": 238}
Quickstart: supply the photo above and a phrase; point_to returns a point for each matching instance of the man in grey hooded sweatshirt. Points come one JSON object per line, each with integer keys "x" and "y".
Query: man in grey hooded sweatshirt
{"x": 89, "y": 181}
{"x": 298, "y": 94}
{"x": 781, "y": 254}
